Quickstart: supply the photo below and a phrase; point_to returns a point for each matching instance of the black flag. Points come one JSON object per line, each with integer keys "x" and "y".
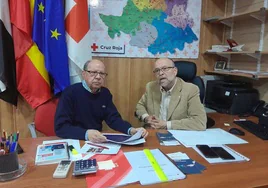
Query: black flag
{"x": 8, "y": 89}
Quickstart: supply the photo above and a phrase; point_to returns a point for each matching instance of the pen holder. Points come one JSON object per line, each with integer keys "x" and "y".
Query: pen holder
{"x": 9, "y": 162}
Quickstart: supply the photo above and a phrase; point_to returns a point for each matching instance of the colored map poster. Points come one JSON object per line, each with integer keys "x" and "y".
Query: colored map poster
{"x": 145, "y": 28}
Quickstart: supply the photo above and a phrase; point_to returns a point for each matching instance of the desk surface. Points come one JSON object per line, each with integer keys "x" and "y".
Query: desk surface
{"x": 245, "y": 174}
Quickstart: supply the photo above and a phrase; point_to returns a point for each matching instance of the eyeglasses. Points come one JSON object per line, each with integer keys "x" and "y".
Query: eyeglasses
{"x": 163, "y": 69}
{"x": 95, "y": 73}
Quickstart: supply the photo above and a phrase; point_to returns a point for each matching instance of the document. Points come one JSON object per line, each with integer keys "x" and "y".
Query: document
{"x": 71, "y": 142}
{"x": 124, "y": 138}
{"x": 214, "y": 136}
{"x": 189, "y": 166}
{"x": 146, "y": 173}
{"x": 100, "y": 148}
{"x": 178, "y": 156}
{"x": 167, "y": 139}
{"x": 238, "y": 157}
{"x": 51, "y": 153}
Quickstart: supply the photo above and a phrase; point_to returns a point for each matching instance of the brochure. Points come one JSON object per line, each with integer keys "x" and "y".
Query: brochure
{"x": 51, "y": 153}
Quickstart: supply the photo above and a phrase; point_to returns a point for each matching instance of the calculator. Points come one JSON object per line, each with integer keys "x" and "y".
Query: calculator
{"x": 88, "y": 166}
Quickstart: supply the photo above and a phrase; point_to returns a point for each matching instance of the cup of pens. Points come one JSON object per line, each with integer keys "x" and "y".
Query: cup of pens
{"x": 9, "y": 162}
{"x": 8, "y": 154}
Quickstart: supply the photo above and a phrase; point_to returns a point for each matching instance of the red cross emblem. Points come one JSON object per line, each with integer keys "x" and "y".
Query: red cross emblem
{"x": 94, "y": 47}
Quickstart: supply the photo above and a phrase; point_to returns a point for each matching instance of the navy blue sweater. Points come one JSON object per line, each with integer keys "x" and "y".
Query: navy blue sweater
{"x": 79, "y": 110}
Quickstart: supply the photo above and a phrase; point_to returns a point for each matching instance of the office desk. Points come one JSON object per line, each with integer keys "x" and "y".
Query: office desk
{"x": 245, "y": 174}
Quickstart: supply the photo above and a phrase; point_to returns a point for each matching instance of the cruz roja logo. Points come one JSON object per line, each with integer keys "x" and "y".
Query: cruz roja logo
{"x": 117, "y": 48}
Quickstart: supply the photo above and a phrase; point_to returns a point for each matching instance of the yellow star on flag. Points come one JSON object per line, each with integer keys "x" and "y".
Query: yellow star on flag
{"x": 55, "y": 34}
{"x": 41, "y": 7}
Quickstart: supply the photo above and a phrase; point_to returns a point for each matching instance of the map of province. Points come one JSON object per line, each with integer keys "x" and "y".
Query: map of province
{"x": 146, "y": 28}
{"x": 130, "y": 20}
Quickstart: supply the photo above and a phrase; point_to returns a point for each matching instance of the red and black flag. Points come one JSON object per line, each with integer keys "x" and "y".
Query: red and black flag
{"x": 8, "y": 90}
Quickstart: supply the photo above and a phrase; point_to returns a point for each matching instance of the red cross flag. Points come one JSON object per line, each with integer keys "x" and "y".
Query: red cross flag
{"x": 77, "y": 37}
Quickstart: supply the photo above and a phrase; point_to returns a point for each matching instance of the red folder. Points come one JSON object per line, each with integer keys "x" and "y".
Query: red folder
{"x": 107, "y": 178}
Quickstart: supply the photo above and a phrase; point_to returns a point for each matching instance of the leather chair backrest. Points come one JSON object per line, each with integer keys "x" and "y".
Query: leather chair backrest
{"x": 44, "y": 117}
{"x": 187, "y": 72}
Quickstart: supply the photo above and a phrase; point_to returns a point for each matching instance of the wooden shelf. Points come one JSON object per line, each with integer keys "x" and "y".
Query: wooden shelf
{"x": 259, "y": 15}
{"x": 232, "y": 53}
{"x": 240, "y": 74}
{"x": 254, "y": 54}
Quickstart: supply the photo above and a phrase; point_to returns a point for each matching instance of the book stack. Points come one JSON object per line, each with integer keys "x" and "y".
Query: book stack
{"x": 219, "y": 48}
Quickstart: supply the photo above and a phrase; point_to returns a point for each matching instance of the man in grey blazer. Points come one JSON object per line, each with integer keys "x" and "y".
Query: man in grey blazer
{"x": 169, "y": 102}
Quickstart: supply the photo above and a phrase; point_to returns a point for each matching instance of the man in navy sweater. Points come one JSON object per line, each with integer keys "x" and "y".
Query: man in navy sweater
{"x": 83, "y": 107}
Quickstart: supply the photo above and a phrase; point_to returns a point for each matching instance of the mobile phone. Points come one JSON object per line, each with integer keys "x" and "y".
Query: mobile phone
{"x": 207, "y": 151}
{"x": 222, "y": 153}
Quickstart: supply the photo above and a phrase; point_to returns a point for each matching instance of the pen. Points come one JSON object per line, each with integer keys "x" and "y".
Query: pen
{"x": 4, "y": 135}
{"x": 18, "y": 134}
{"x": 98, "y": 146}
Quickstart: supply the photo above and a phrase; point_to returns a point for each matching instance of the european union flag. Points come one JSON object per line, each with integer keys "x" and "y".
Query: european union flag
{"x": 56, "y": 58}
{"x": 49, "y": 35}
{"x": 39, "y": 25}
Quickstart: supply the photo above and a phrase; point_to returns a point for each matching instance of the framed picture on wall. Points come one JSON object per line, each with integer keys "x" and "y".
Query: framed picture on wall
{"x": 219, "y": 65}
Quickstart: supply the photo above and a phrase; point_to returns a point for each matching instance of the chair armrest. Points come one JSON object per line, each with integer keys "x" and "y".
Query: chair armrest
{"x": 31, "y": 127}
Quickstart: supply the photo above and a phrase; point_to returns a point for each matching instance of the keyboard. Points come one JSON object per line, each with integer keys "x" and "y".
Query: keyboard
{"x": 260, "y": 131}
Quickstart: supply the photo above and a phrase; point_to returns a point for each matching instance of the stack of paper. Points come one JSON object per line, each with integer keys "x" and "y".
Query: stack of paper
{"x": 147, "y": 173}
{"x": 219, "y": 48}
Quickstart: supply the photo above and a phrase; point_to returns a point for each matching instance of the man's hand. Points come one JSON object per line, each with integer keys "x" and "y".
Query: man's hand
{"x": 158, "y": 124}
{"x": 95, "y": 136}
{"x": 144, "y": 133}
{"x": 149, "y": 119}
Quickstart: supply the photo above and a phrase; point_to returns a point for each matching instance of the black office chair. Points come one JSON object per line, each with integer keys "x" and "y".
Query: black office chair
{"x": 187, "y": 72}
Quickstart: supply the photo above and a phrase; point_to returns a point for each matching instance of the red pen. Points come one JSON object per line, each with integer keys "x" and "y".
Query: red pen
{"x": 103, "y": 147}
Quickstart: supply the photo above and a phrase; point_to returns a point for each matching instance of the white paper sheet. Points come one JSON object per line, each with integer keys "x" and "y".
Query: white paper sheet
{"x": 178, "y": 156}
{"x": 144, "y": 170}
{"x": 238, "y": 157}
{"x": 214, "y": 136}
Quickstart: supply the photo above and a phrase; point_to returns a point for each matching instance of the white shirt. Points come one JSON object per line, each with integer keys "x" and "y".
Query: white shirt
{"x": 165, "y": 100}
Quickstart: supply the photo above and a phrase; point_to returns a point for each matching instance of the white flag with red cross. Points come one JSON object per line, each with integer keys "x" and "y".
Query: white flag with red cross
{"x": 77, "y": 36}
